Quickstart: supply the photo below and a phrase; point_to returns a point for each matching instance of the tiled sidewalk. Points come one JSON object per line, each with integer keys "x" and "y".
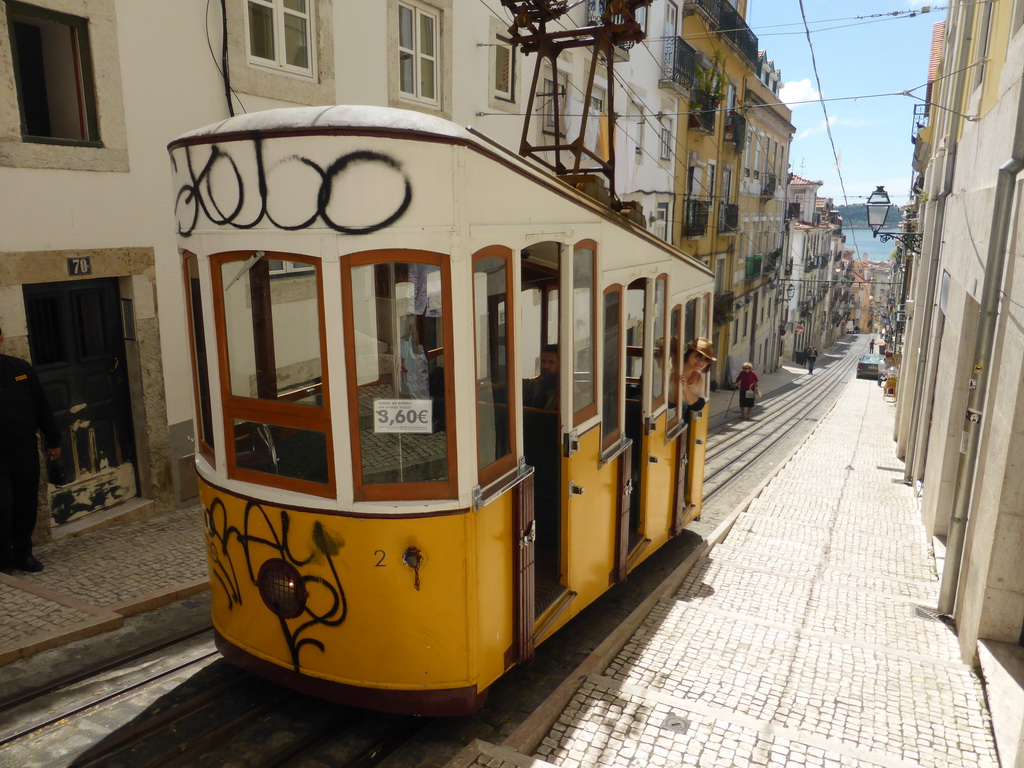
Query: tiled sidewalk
{"x": 807, "y": 638}
{"x": 95, "y": 580}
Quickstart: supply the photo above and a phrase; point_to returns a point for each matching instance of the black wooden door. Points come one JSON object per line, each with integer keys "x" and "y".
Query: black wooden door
{"x": 77, "y": 344}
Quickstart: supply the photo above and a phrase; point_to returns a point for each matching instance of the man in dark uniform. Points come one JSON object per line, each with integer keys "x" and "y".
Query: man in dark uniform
{"x": 542, "y": 392}
{"x": 23, "y": 412}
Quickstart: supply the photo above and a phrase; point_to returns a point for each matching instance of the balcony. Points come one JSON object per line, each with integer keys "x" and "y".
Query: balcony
{"x": 736, "y": 31}
{"x": 728, "y": 218}
{"x": 768, "y": 184}
{"x": 679, "y": 66}
{"x": 728, "y": 23}
{"x": 735, "y": 130}
{"x": 723, "y": 307}
{"x": 703, "y": 108}
{"x": 695, "y": 218}
{"x": 596, "y": 10}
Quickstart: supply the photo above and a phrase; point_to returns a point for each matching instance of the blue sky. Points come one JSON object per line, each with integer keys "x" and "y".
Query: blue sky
{"x": 861, "y": 51}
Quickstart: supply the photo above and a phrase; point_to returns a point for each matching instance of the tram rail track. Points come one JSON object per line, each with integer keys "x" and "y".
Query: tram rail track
{"x": 732, "y": 444}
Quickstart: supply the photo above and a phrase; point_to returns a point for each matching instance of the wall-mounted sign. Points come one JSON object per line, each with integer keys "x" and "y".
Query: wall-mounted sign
{"x": 79, "y": 266}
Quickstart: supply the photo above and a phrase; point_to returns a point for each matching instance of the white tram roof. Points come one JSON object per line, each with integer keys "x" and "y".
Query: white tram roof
{"x": 338, "y": 116}
{"x": 358, "y": 118}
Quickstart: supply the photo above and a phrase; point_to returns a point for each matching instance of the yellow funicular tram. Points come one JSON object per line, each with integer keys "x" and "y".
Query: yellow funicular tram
{"x": 398, "y": 506}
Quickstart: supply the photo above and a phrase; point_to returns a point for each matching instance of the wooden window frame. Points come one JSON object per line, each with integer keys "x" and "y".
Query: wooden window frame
{"x": 413, "y": 491}
{"x": 205, "y": 448}
{"x": 581, "y": 415}
{"x": 499, "y": 468}
{"x": 308, "y": 417}
{"x": 607, "y": 441}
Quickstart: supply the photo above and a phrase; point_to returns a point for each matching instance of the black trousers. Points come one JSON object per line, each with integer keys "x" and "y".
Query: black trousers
{"x": 19, "y": 493}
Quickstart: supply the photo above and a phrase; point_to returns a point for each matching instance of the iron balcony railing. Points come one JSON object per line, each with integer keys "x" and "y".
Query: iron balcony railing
{"x": 727, "y": 21}
{"x": 596, "y": 9}
{"x": 695, "y": 218}
{"x": 680, "y": 64}
{"x": 735, "y": 129}
{"x": 728, "y": 218}
{"x": 703, "y": 109}
{"x": 768, "y": 184}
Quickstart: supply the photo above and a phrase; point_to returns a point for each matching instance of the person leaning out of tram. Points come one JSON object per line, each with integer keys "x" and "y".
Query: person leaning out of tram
{"x": 697, "y": 361}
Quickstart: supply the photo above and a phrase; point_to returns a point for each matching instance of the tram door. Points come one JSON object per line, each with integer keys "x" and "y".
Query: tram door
{"x": 636, "y": 426}
{"x": 540, "y": 364}
{"x": 77, "y": 346}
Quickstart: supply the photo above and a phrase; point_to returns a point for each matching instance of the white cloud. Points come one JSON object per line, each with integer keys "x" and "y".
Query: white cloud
{"x": 819, "y": 128}
{"x": 796, "y": 93}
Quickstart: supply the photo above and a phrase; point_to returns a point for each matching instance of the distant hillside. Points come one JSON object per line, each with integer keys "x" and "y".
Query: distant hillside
{"x": 854, "y": 216}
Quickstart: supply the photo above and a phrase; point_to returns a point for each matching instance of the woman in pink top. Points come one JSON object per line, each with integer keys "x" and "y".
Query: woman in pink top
{"x": 747, "y": 381}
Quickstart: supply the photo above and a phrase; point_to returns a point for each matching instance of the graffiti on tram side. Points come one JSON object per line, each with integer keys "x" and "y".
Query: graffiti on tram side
{"x": 218, "y": 189}
{"x": 262, "y": 542}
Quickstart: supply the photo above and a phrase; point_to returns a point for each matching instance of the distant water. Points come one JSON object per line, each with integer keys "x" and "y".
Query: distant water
{"x": 868, "y": 248}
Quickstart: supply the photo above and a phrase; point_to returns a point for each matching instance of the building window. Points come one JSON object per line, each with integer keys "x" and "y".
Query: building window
{"x": 666, "y": 138}
{"x": 53, "y": 75}
{"x": 550, "y": 97}
{"x": 279, "y": 34}
{"x": 418, "y": 46}
{"x": 504, "y": 69}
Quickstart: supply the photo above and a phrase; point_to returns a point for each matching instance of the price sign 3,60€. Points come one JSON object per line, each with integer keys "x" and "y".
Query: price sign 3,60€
{"x": 411, "y": 416}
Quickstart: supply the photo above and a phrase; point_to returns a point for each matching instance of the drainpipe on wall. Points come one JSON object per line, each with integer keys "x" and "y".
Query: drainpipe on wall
{"x": 995, "y": 268}
{"x": 914, "y": 468}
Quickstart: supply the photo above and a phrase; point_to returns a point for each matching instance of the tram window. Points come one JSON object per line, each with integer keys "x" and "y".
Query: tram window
{"x": 674, "y": 356}
{"x": 635, "y": 335}
{"x": 493, "y": 365}
{"x": 201, "y": 367}
{"x": 397, "y": 346}
{"x": 273, "y": 332}
{"x": 584, "y": 402}
{"x": 660, "y": 344}
{"x": 612, "y": 370}
{"x": 278, "y": 450}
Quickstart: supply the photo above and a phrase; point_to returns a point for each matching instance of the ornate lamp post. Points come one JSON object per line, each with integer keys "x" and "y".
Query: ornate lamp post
{"x": 878, "y": 206}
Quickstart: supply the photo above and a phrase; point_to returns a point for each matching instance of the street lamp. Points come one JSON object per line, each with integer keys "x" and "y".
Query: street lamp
{"x": 878, "y": 206}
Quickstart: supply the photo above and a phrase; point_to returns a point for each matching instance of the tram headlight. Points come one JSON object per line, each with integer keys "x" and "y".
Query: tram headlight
{"x": 282, "y": 588}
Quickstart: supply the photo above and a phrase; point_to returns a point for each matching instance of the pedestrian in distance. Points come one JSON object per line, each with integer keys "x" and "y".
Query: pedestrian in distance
{"x": 871, "y": 346}
{"x": 24, "y": 411}
{"x": 812, "y": 355}
{"x": 747, "y": 381}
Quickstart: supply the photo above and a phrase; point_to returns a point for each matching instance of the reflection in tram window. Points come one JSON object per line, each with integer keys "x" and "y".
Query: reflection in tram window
{"x": 277, "y": 450}
{"x": 273, "y": 332}
{"x": 584, "y": 403}
{"x": 398, "y": 345}
{"x": 490, "y": 300}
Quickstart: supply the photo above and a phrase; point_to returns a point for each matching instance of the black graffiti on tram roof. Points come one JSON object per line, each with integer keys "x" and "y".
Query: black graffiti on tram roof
{"x": 322, "y": 547}
{"x": 199, "y": 193}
